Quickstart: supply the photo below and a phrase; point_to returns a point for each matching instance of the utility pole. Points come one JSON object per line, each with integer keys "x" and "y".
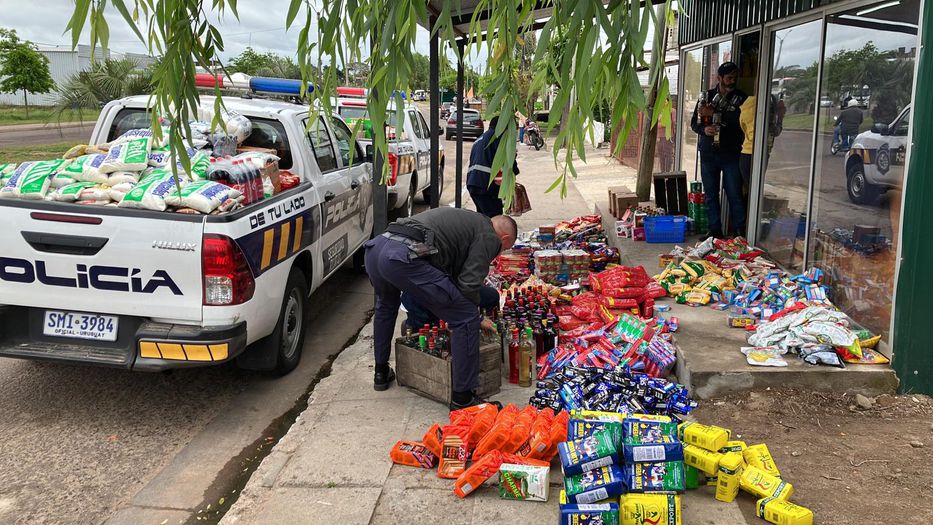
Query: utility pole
{"x": 649, "y": 138}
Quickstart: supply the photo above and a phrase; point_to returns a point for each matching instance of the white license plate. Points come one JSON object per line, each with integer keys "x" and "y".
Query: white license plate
{"x": 78, "y": 325}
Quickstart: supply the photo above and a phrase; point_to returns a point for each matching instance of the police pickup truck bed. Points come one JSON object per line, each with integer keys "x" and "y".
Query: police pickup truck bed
{"x": 149, "y": 290}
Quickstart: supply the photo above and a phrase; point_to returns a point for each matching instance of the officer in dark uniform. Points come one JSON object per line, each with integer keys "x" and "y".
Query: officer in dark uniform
{"x": 439, "y": 258}
{"x": 485, "y": 195}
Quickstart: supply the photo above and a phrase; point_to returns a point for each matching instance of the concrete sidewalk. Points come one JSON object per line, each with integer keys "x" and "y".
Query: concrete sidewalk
{"x": 333, "y": 465}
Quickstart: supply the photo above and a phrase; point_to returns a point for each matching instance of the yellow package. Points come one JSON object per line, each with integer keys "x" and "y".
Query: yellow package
{"x": 563, "y": 497}
{"x": 759, "y": 456}
{"x": 711, "y": 481}
{"x": 651, "y": 417}
{"x": 730, "y": 469}
{"x": 595, "y": 415}
{"x": 759, "y": 483}
{"x": 781, "y": 512}
{"x": 650, "y": 509}
{"x": 704, "y": 436}
{"x": 702, "y": 459}
{"x": 733, "y": 446}
{"x": 698, "y": 296}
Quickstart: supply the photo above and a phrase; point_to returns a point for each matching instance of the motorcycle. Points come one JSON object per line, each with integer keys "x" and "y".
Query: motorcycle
{"x": 843, "y": 143}
{"x": 533, "y": 135}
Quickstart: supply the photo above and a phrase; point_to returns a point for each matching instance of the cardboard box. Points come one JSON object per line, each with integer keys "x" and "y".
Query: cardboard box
{"x": 620, "y": 199}
{"x": 430, "y": 376}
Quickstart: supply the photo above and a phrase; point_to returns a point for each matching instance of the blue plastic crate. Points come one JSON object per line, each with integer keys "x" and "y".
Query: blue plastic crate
{"x": 665, "y": 228}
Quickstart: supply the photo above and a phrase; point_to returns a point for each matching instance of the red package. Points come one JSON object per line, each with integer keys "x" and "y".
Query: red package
{"x": 647, "y": 308}
{"x": 655, "y": 290}
{"x": 288, "y": 180}
{"x": 630, "y": 292}
{"x": 570, "y": 323}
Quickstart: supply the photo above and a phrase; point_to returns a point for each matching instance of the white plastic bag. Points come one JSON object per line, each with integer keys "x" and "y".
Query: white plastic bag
{"x": 70, "y": 192}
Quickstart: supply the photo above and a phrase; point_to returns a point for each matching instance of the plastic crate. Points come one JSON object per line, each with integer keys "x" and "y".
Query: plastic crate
{"x": 665, "y": 228}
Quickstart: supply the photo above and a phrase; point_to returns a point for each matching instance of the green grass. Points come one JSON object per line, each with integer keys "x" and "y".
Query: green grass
{"x": 41, "y": 115}
{"x": 804, "y": 121}
{"x": 34, "y": 152}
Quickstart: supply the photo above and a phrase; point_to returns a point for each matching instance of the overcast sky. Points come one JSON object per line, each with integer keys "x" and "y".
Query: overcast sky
{"x": 261, "y": 25}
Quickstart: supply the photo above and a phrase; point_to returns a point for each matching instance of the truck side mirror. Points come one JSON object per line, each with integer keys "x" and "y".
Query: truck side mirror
{"x": 880, "y": 128}
{"x": 370, "y": 153}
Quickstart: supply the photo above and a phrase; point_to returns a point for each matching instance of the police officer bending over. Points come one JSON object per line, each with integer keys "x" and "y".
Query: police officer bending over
{"x": 440, "y": 258}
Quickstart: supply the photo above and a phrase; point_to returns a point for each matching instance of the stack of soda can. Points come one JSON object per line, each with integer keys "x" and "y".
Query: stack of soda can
{"x": 696, "y": 207}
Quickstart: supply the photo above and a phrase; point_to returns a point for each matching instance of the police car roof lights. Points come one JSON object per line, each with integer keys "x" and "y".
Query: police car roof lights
{"x": 243, "y": 82}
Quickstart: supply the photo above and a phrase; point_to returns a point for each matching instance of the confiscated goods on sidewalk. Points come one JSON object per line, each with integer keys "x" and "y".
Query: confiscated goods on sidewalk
{"x": 791, "y": 313}
{"x": 601, "y": 514}
{"x": 524, "y": 482}
{"x": 651, "y": 509}
{"x": 480, "y": 439}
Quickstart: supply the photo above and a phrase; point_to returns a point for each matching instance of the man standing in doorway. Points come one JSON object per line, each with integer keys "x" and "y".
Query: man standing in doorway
{"x": 485, "y": 195}
{"x": 716, "y": 121}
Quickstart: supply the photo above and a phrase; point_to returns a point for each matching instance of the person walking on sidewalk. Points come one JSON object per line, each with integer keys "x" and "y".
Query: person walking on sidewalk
{"x": 440, "y": 258}
{"x": 485, "y": 195}
{"x": 716, "y": 121}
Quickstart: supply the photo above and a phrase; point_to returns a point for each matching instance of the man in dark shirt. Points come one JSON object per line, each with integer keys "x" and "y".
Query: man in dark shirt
{"x": 716, "y": 121}
{"x": 440, "y": 258}
{"x": 485, "y": 195}
{"x": 848, "y": 123}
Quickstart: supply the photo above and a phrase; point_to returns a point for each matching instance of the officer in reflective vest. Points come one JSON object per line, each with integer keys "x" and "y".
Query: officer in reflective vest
{"x": 485, "y": 194}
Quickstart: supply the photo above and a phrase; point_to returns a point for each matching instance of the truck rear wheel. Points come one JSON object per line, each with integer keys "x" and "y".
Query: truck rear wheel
{"x": 280, "y": 352}
{"x": 426, "y": 194}
{"x": 408, "y": 207}
{"x": 860, "y": 190}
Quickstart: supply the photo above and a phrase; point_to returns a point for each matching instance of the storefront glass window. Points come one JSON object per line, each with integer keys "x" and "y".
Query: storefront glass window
{"x": 795, "y": 58}
{"x": 692, "y": 72}
{"x": 868, "y": 67}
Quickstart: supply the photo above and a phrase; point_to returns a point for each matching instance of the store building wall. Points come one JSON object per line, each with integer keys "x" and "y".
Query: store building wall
{"x": 813, "y": 204}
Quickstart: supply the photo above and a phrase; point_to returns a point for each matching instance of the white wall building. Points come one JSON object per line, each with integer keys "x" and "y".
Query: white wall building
{"x": 63, "y": 63}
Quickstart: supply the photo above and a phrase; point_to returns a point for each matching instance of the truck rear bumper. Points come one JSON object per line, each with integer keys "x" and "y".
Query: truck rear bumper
{"x": 141, "y": 344}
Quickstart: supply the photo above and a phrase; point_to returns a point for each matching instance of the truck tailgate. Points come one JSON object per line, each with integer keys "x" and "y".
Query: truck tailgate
{"x": 109, "y": 261}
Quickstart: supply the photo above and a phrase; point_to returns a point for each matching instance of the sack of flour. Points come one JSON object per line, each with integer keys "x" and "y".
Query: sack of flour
{"x": 32, "y": 180}
{"x": 160, "y": 157}
{"x": 119, "y": 177}
{"x": 96, "y": 192}
{"x": 70, "y": 192}
{"x": 90, "y": 169}
{"x": 204, "y": 196}
{"x": 143, "y": 133}
{"x": 150, "y": 193}
{"x": 119, "y": 191}
{"x": 131, "y": 155}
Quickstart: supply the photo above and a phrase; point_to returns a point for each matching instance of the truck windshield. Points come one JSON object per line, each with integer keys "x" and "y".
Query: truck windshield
{"x": 357, "y": 112}
{"x": 267, "y": 134}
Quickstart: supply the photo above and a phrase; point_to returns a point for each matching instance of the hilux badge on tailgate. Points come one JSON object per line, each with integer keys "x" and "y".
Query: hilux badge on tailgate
{"x": 177, "y": 246}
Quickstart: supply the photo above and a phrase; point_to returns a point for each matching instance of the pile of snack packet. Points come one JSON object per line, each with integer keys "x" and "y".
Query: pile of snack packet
{"x": 518, "y": 444}
{"x": 631, "y": 469}
{"x": 613, "y": 292}
{"x": 561, "y": 253}
{"x": 137, "y": 170}
{"x": 641, "y": 345}
{"x": 782, "y": 312}
{"x": 617, "y": 467}
{"x": 613, "y": 390}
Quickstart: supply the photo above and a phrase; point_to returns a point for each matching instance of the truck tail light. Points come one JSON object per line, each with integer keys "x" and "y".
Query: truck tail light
{"x": 393, "y": 168}
{"x": 227, "y": 278}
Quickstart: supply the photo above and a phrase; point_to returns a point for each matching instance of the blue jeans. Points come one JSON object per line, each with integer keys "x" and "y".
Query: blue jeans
{"x": 521, "y": 134}
{"x": 392, "y": 272}
{"x": 716, "y": 168}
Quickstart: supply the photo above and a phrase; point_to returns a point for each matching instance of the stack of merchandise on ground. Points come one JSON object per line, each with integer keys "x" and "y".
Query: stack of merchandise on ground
{"x": 482, "y": 441}
{"x": 782, "y": 312}
{"x": 138, "y": 170}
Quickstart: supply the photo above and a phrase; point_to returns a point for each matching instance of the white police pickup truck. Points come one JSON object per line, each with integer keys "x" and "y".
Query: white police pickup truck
{"x": 148, "y": 290}
{"x": 409, "y": 156}
{"x": 875, "y": 161}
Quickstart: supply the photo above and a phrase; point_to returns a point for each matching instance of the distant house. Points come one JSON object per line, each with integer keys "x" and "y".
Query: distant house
{"x": 63, "y": 63}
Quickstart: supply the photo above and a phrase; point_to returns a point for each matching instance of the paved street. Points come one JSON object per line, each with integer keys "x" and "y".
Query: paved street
{"x": 80, "y": 443}
{"x": 28, "y": 134}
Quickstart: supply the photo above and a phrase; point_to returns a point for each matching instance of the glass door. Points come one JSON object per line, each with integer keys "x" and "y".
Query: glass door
{"x": 786, "y": 163}
{"x": 868, "y": 73}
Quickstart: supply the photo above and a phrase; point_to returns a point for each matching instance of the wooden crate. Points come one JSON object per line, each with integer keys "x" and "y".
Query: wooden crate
{"x": 430, "y": 376}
